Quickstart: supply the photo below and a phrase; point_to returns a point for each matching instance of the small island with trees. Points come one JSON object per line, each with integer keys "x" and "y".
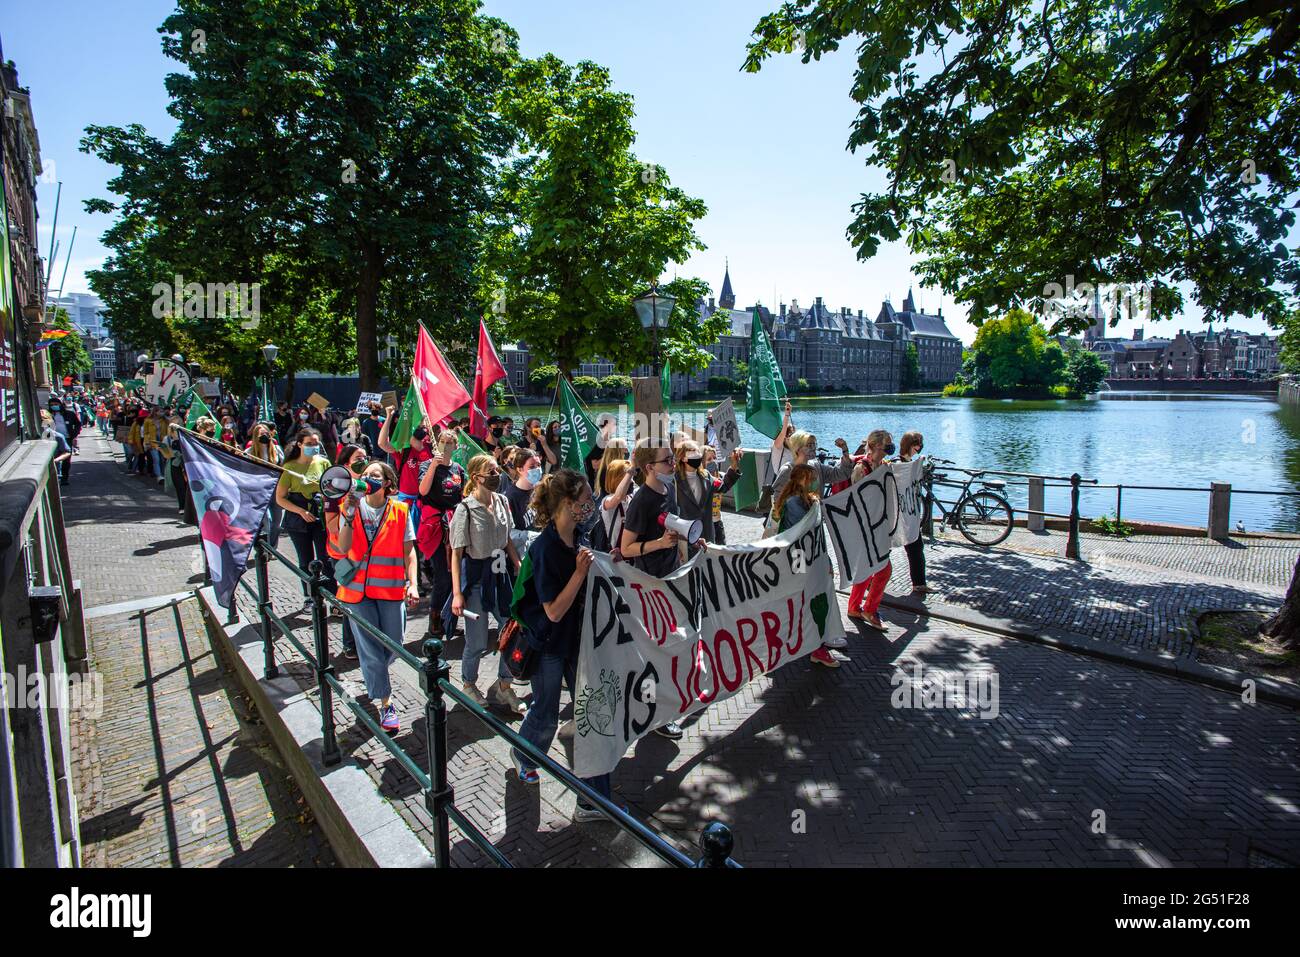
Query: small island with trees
{"x": 1012, "y": 357}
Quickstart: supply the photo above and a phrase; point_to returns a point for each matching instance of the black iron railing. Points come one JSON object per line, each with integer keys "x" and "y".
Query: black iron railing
{"x": 716, "y": 840}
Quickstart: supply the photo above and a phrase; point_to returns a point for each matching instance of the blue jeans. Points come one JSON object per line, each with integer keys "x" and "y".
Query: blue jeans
{"x": 375, "y": 657}
{"x": 476, "y": 638}
{"x": 543, "y": 715}
{"x": 272, "y": 526}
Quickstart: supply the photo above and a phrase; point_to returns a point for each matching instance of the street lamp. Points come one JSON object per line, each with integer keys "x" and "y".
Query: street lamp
{"x": 653, "y": 309}
{"x": 269, "y": 352}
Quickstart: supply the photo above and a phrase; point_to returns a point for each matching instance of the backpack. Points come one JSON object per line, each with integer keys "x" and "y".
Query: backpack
{"x": 605, "y": 538}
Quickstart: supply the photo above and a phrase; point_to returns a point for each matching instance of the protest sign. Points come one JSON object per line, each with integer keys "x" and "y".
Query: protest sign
{"x": 726, "y": 433}
{"x": 861, "y": 521}
{"x": 648, "y": 402}
{"x": 655, "y": 649}
{"x": 363, "y": 403}
{"x": 910, "y": 478}
{"x": 389, "y": 398}
{"x": 318, "y": 401}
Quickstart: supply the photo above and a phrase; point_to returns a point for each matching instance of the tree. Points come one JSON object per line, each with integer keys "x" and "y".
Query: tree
{"x": 1085, "y": 371}
{"x": 542, "y": 378}
{"x": 356, "y": 141}
{"x": 68, "y": 355}
{"x": 1288, "y": 355}
{"x": 911, "y": 377}
{"x": 583, "y": 226}
{"x": 1028, "y": 144}
{"x": 587, "y": 385}
{"x": 617, "y": 384}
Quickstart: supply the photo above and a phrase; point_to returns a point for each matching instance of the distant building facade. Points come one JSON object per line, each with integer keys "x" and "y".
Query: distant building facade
{"x": 826, "y": 347}
{"x": 1203, "y": 354}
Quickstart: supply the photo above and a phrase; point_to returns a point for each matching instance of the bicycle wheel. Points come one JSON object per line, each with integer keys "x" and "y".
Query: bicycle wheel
{"x": 984, "y": 518}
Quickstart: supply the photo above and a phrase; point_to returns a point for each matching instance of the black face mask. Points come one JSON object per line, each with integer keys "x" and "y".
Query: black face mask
{"x": 496, "y": 430}
{"x": 358, "y": 467}
{"x": 695, "y": 463}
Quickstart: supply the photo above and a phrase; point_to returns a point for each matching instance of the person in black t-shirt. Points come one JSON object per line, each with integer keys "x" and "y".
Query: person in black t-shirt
{"x": 528, "y": 469}
{"x": 553, "y": 603}
{"x": 645, "y": 542}
{"x": 442, "y": 486}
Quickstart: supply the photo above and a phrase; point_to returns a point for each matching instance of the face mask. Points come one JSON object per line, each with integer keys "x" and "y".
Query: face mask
{"x": 420, "y": 433}
{"x": 584, "y": 511}
{"x": 302, "y": 416}
{"x": 56, "y": 408}
{"x": 311, "y": 450}
{"x": 695, "y": 463}
{"x": 534, "y": 476}
{"x": 496, "y": 430}
{"x": 492, "y": 482}
{"x": 263, "y": 439}
{"x": 889, "y": 449}
{"x": 359, "y": 466}
{"x": 374, "y": 485}
{"x": 668, "y": 479}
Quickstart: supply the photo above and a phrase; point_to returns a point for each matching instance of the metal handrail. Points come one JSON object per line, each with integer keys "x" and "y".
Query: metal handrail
{"x": 716, "y": 841}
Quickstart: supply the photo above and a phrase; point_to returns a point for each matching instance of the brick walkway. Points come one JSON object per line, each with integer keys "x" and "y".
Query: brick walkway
{"x": 1086, "y": 762}
{"x": 1182, "y": 775}
{"x": 174, "y": 771}
{"x": 1141, "y": 593}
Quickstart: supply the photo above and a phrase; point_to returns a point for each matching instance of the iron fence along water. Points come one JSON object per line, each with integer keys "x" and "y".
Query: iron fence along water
{"x": 716, "y": 840}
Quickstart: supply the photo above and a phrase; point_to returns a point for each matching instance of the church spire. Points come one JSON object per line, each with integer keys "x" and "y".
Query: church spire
{"x": 727, "y": 298}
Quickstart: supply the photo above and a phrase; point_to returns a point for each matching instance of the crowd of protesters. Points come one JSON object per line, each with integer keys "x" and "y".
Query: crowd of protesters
{"x": 426, "y": 525}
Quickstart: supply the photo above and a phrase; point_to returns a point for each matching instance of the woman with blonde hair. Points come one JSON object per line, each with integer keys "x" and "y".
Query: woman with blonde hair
{"x": 866, "y": 595}
{"x": 480, "y": 535}
{"x": 615, "y": 451}
{"x": 802, "y": 449}
{"x": 612, "y": 508}
{"x": 798, "y": 496}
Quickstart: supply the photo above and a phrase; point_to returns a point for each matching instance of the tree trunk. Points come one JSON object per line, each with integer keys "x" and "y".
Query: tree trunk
{"x": 367, "y": 316}
{"x": 288, "y": 387}
{"x": 1284, "y": 626}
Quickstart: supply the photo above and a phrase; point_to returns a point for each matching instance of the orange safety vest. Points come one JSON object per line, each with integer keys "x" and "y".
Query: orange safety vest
{"x": 332, "y": 540}
{"x": 381, "y": 565}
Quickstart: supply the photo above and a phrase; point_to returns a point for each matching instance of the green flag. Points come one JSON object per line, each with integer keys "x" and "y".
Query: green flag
{"x": 264, "y": 411}
{"x": 747, "y": 490}
{"x": 197, "y": 410}
{"x": 577, "y": 430}
{"x": 766, "y": 392}
{"x": 411, "y": 417}
{"x": 666, "y": 384}
{"x": 466, "y": 449}
{"x": 521, "y": 582}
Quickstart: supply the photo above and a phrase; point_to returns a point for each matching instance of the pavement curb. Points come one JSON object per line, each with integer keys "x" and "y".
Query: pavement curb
{"x": 362, "y": 827}
{"x": 1215, "y": 676}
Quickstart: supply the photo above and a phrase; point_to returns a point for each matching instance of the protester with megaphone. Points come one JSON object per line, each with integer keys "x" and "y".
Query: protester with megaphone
{"x": 336, "y": 483}
{"x": 647, "y": 541}
{"x": 381, "y": 577}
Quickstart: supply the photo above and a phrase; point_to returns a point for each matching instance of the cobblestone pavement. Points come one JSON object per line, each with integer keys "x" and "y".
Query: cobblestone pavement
{"x": 814, "y": 767}
{"x": 1085, "y": 763}
{"x": 1144, "y": 594}
{"x": 174, "y": 770}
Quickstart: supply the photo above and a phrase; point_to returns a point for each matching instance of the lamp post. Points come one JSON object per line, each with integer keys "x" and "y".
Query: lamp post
{"x": 653, "y": 309}
{"x": 269, "y": 352}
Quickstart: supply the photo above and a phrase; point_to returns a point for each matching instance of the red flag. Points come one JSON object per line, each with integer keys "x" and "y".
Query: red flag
{"x": 487, "y": 370}
{"x": 441, "y": 392}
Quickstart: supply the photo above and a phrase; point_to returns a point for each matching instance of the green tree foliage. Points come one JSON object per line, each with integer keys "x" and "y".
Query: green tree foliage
{"x": 1152, "y": 141}
{"x": 1012, "y": 357}
{"x": 583, "y": 225}
{"x": 339, "y": 153}
{"x": 1289, "y": 343}
{"x": 1085, "y": 371}
{"x": 911, "y": 377}
{"x": 68, "y": 356}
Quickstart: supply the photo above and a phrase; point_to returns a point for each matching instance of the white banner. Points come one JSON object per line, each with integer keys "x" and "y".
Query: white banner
{"x": 656, "y": 649}
{"x": 910, "y": 478}
{"x": 862, "y": 521}
{"x": 726, "y": 433}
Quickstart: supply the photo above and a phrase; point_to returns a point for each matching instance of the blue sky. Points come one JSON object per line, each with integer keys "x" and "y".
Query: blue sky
{"x": 766, "y": 151}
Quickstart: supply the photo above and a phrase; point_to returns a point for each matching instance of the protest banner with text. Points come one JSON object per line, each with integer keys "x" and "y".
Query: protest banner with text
{"x": 656, "y": 649}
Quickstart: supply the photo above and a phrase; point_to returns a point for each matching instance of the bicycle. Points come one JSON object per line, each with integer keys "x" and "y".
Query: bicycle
{"x": 982, "y": 516}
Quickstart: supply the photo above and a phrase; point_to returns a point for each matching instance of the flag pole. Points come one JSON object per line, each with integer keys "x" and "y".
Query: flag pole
{"x": 222, "y": 446}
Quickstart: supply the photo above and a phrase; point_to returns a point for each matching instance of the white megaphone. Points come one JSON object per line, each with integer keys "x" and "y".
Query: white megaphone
{"x": 337, "y": 481}
{"x": 688, "y": 528}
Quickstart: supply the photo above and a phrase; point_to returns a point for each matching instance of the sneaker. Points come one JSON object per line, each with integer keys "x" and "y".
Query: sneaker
{"x": 835, "y": 642}
{"x": 672, "y": 731}
{"x": 388, "y": 720}
{"x": 920, "y": 591}
{"x": 306, "y": 607}
{"x": 506, "y": 699}
{"x": 823, "y": 657}
{"x": 873, "y": 621}
{"x": 471, "y": 690}
{"x": 526, "y": 774}
{"x": 350, "y": 654}
{"x": 568, "y": 729}
{"x": 858, "y": 614}
{"x": 585, "y": 813}
{"x": 335, "y": 611}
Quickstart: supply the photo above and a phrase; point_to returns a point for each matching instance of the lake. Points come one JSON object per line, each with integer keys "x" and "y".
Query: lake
{"x": 1117, "y": 438}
